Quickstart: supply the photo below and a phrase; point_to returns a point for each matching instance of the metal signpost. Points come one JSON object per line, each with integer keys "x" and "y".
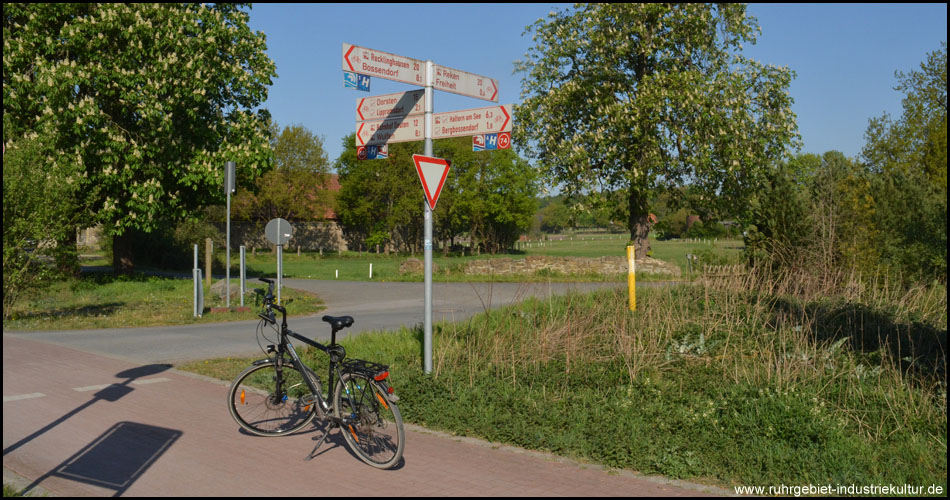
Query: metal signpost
{"x": 278, "y": 231}
{"x": 243, "y": 275}
{"x": 229, "y": 183}
{"x": 403, "y": 126}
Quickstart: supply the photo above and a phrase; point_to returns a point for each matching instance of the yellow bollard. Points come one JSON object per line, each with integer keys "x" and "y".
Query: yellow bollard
{"x": 631, "y": 276}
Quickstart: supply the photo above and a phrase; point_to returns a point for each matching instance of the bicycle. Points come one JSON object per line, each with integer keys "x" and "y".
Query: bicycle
{"x": 280, "y": 394}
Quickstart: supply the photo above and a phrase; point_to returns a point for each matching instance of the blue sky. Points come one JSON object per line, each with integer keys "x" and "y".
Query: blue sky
{"x": 845, "y": 57}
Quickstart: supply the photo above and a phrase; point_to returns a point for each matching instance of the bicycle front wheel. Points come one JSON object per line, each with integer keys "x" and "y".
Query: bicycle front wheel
{"x": 371, "y": 424}
{"x": 267, "y": 405}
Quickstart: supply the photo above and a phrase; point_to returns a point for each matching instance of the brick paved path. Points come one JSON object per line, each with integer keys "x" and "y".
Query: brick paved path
{"x": 80, "y": 424}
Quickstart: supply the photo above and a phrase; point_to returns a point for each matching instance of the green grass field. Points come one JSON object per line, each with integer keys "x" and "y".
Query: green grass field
{"x": 353, "y": 266}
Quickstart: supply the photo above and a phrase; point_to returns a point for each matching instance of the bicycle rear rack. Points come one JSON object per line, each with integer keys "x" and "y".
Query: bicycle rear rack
{"x": 363, "y": 367}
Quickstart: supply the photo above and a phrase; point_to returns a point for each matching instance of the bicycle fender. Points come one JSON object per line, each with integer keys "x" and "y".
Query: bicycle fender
{"x": 263, "y": 362}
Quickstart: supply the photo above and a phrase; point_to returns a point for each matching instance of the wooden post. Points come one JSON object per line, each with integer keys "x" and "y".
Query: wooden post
{"x": 208, "y": 250}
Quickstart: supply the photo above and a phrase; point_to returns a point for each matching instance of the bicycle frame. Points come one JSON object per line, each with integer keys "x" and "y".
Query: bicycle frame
{"x": 333, "y": 350}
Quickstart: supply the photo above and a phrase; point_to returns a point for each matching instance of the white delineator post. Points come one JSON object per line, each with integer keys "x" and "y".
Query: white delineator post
{"x": 427, "y": 323}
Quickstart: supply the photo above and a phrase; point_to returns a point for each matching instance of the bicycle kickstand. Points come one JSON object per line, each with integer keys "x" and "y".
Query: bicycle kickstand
{"x": 322, "y": 439}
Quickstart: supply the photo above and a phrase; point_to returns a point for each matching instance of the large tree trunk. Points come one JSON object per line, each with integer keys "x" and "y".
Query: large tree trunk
{"x": 640, "y": 223}
{"x": 122, "y": 261}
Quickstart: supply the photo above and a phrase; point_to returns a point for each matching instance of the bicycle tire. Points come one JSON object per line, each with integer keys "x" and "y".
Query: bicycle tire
{"x": 257, "y": 407}
{"x": 371, "y": 424}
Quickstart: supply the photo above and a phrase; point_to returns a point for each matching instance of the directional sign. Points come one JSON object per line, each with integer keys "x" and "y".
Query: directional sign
{"x": 392, "y": 130}
{"x": 432, "y": 172}
{"x": 465, "y": 83}
{"x": 383, "y": 64}
{"x": 381, "y": 107}
{"x": 492, "y": 119}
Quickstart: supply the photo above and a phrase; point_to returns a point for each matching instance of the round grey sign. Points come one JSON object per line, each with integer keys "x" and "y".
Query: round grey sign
{"x": 278, "y": 231}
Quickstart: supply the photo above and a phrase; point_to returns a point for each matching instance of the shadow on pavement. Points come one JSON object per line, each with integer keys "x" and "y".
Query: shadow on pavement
{"x": 111, "y": 393}
{"x": 117, "y": 458}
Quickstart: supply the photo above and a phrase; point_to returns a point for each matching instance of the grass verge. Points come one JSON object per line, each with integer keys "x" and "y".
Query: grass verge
{"x": 106, "y": 301}
{"x": 727, "y": 383}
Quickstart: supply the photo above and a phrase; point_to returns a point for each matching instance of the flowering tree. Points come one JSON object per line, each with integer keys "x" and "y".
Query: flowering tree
{"x": 148, "y": 100}
{"x": 644, "y": 98}
{"x": 297, "y": 187}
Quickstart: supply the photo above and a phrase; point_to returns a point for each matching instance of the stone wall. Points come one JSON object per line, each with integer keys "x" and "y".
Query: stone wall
{"x": 310, "y": 236}
{"x": 569, "y": 265}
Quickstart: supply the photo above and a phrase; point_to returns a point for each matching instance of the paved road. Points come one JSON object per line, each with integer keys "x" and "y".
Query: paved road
{"x": 375, "y": 306}
{"x": 82, "y": 423}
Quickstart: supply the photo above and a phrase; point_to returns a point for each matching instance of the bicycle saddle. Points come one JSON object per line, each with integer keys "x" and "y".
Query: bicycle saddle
{"x": 339, "y": 322}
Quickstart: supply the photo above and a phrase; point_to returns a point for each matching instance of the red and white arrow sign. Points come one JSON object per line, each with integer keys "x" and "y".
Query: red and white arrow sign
{"x": 381, "y": 107}
{"x": 389, "y": 131}
{"x": 490, "y": 120}
{"x": 432, "y": 172}
{"x": 464, "y": 83}
{"x": 383, "y": 65}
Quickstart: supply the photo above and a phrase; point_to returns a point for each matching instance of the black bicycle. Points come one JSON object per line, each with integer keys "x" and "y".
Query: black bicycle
{"x": 280, "y": 394}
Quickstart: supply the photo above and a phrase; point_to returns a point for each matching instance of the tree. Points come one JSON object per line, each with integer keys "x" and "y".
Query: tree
{"x": 36, "y": 212}
{"x": 644, "y": 98}
{"x": 553, "y": 217}
{"x": 150, "y": 99}
{"x": 491, "y": 195}
{"x": 488, "y": 195}
{"x": 907, "y": 160}
{"x": 296, "y": 189}
{"x": 380, "y": 202}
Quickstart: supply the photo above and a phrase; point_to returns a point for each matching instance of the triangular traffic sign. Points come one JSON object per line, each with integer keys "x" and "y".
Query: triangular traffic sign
{"x": 432, "y": 172}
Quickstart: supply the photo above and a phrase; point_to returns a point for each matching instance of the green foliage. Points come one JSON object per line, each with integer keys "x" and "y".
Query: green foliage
{"x": 776, "y": 219}
{"x": 672, "y": 225}
{"x": 171, "y": 245}
{"x": 637, "y": 99}
{"x": 488, "y": 196}
{"x": 150, "y": 100}
{"x": 907, "y": 162}
{"x": 885, "y": 215}
{"x": 380, "y": 201}
{"x": 296, "y": 189}
{"x": 37, "y": 211}
{"x": 554, "y": 217}
{"x": 709, "y": 229}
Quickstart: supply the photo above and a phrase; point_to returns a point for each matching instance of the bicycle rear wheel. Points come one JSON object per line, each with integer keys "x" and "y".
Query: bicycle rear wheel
{"x": 371, "y": 424}
{"x": 265, "y": 407}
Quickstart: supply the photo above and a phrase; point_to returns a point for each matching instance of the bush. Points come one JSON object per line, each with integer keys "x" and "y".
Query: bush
{"x": 36, "y": 214}
{"x": 171, "y": 246}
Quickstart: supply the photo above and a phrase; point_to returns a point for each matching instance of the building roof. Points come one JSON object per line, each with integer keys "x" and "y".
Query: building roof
{"x": 333, "y": 185}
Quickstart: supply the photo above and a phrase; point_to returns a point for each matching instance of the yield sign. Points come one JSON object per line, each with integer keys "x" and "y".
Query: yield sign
{"x": 432, "y": 173}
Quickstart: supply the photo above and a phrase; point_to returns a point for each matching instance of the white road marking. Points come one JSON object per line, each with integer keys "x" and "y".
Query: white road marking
{"x": 151, "y": 380}
{"x": 23, "y": 396}
{"x": 92, "y": 387}
{"x": 136, "y": 382}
